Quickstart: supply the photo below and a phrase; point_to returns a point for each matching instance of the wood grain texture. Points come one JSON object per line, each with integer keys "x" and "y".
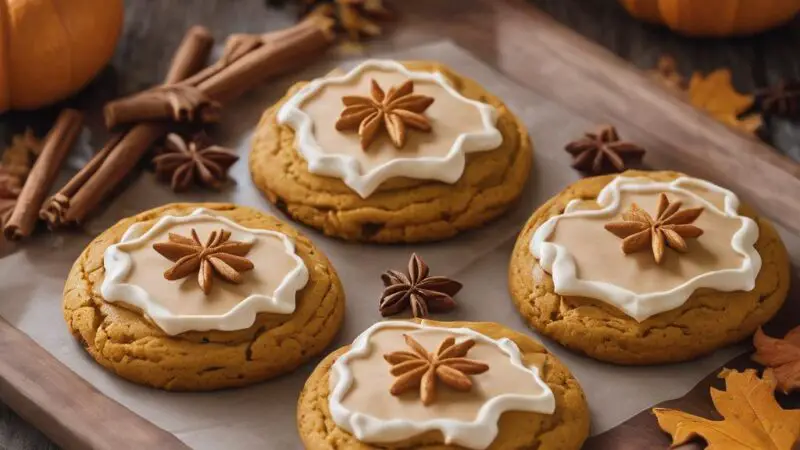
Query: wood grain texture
{"x": 528, "y": 47}
{"x": 755, "y": 61}
{"x": 68, "y": 409}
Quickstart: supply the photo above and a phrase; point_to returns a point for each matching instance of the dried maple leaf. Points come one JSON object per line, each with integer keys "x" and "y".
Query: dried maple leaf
{"x": 16, "y": 163}
{"x": 716, "y": 95}
{"x": 666, "y": 73}
{"x": 752, "y": 418}
{"x": 356, "y": 18}
{"x": 10, "y": 184}
{"x": 6, "y": 208}
{"x": 782, "y": 355}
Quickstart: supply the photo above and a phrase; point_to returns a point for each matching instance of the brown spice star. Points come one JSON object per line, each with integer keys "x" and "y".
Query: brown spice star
{"x": 395, "y": 110}
{"x": 639, "y": 231}
{"x": 219, "y": 255}
{"x": 782, "y": 100}
{"x": 420, "y": 369}
{"x": 421, "y": 292}
{"x": 603, "y": 152}
{"x": 183, "y": 162}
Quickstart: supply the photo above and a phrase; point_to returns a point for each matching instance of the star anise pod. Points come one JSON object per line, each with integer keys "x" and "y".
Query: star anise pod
{"x": 602, "y": 152}
{"x": 395, "y": 111}
{"x": 185, "y": 162}
{"x": 782, "y": 100}
{"x": 219, "y": 255}
{"x": 421, "y": 369}
{"x": 421, "y": 292}
{"x": 671, "y": 225}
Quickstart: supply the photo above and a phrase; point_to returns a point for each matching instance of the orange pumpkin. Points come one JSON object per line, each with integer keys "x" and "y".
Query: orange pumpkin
{"x": 714, "y": 17}
{"x": 49, "y": 49}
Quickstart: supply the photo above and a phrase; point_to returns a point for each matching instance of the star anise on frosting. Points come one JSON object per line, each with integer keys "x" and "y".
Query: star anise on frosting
{"x": 602, "y": 151}
{"x": 419, "y": 369}
{"x": 423, "y": 293}
{"x": 217, "y": 256}
{"x": 671, "y": 225}
{"x": 186, "y": 162}
{"x": 396, "y": 111}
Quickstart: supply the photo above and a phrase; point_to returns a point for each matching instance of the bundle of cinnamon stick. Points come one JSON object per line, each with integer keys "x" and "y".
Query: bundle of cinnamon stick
{"x": 189, "y": 93}
{"x": 57, "y": 144}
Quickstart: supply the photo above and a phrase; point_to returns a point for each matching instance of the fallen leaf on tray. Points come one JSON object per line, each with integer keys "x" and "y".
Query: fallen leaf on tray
{"x": 666, "y": 73}
{"x": 752, "y": 418}
{"x": 6, "y": 207}
{"x": 716, "y": 95}
{"x": 782, "y": 355}
{"x": 28, "y": 141}
{"x": 781, "y": 99}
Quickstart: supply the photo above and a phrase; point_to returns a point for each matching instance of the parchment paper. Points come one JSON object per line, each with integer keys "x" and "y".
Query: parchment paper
{"x": 263, "y": 416}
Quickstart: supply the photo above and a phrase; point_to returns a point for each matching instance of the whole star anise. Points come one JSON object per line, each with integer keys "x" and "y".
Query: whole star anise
{"x": 782, "y": 100}
{"x": 421, "y": 292}
{"x": 421, "y": 369}
{"x": 395, "y": 110}
{"x": 184, "y": 162}
{"x": 671, "y": 225}
{"x": 219, "y": 255}
{"x": 602, "y": 152}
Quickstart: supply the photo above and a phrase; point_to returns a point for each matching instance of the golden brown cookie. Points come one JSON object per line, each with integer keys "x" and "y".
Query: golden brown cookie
{"x": 708, "y": 320}
{"x": 402, "y": 209}
{"x": 128, "y": 344}
{"x": 565, "y": 429}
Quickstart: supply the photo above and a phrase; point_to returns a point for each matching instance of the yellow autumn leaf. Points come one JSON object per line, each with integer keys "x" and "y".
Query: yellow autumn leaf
{"x": 716, "y": 95}
{"x": 753, "y": 419}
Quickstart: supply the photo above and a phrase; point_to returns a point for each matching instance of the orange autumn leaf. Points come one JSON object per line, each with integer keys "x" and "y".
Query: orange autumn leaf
{"x": 716, "y": 95}
{"x": 782, "y": 355}
{"x": 753, "y": 419}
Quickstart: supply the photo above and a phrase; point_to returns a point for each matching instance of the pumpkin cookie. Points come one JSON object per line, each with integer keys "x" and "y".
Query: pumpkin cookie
{"x": 424, "y": 384}
{"x": 391, "y": 152}
{"x": 201, "y": 297}
{"x": 647, "y": 267}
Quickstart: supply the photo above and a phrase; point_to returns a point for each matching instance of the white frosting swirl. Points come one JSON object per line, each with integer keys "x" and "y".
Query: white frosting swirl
{"x": 447, "y": 169}
{"x": 476, "y": 434}
{"x": 557, "y": 260}
{"x": 119, "y": 263}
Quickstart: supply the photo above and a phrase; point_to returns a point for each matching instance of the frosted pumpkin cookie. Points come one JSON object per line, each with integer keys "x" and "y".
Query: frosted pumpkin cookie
{"x": 426, "y": 384}
{"x": 202, "y": 297}
{"x": 647, "y": 267}
{"x": 391, "y": 152}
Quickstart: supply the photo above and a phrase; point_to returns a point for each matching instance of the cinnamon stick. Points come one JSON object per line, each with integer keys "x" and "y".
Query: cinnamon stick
{"x": 58, "y": 143}
{"x": 78, "y": 198}
{"x": 191, "y": 55}
{"x": 247, "y": 61}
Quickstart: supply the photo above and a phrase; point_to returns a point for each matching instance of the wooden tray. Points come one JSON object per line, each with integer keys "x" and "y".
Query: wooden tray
{"x": 556, "y": 63}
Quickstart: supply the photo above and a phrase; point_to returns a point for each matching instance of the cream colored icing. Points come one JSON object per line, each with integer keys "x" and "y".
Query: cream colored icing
{"x": 134, "y": 275}
{"x": 586, "y": 260}
{"x": 361, "y": 403}
{"x": 459, "y": 126}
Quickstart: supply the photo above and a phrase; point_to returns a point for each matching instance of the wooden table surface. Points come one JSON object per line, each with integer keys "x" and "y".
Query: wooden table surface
{"x": 153, "y": 29}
